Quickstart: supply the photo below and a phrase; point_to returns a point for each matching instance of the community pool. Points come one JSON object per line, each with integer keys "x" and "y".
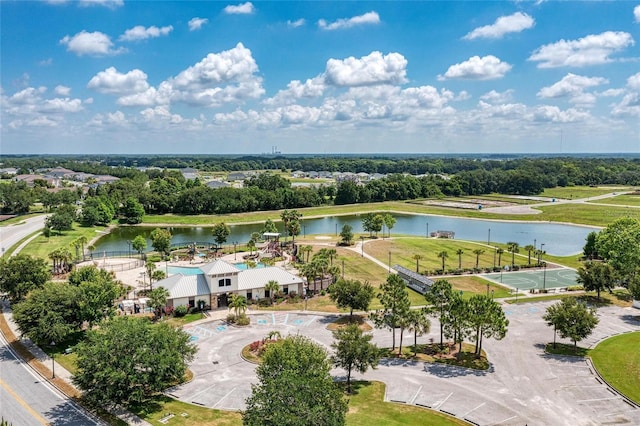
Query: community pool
{"x": 194, "y": 270}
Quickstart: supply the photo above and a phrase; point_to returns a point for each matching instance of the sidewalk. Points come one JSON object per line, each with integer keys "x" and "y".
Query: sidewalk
{"x": 60, "y": 372}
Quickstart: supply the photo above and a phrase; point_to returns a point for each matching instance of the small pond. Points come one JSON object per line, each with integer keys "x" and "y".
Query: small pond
{"x": 558, "y": 239}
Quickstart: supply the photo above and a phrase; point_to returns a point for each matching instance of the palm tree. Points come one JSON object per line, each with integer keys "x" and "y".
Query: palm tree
{"x": 459, "y": 252}
{"x": 158, "y": 275}
{"x": 308, "y": 249}
{"x": 499, "y": 251}
{"x": 443, "y": 255}
{"x": 514, "y": 248}
{"x": 331, "y": 254}
{"x": 272, "y": 287}
{"x": 150, "y": 266}
{"x": 418, "y": 258}
{"x": 419, "y": 324}
{"x": 158, "y": 299}
{"x": 529, "y": 248}
{"x": 478, "y": 253}
{"x": 309, "y": 271}
{"x": 251, "y": 244}
{"x": 239, "y": 304}
{"x": 82, "y": 240}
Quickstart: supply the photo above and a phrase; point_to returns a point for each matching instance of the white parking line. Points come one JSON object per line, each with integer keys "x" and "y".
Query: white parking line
{"x": 415, "y": 396}
{"x": 467, "y": 413}
{"x": 223, "y": 398}
{"x": 437, "y": 406}
{"x": 202, "y": 391}
{"x": 598, "y": 399}
{"x": 506, "y": 420}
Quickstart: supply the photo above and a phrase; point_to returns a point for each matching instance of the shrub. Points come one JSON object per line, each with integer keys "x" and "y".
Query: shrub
{"x": 515, "y": 268}
{"x": 180, "y": 311}
{"x": 243, "y": 320}
{"x": 575, "y": 288}
{"x": 264, "y": 302}
{"x": 231, "y": 318}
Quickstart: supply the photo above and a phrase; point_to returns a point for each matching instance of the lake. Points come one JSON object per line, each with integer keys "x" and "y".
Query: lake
{"x": 558, "y": 239}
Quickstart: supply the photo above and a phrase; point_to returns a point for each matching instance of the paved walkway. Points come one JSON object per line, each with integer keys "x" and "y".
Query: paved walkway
{"x": 523, "y": 385}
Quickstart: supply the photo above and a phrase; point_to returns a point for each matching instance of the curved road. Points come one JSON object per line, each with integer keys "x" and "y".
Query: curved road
{"x": 11, "y": 234}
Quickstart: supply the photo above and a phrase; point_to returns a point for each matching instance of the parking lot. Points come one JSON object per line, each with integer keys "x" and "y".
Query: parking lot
{"x": 523, "y": 385}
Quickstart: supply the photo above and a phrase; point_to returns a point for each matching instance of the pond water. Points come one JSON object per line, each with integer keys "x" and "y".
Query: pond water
{"x": 558, "y": 239}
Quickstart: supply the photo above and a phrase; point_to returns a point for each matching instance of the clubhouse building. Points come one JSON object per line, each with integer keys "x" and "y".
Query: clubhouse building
{"x": 213, "y": 283}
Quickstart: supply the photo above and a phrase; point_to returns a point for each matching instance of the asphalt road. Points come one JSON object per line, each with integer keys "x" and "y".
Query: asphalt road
{"x": 11, "y": 234}
{"x": 28, "y": 399}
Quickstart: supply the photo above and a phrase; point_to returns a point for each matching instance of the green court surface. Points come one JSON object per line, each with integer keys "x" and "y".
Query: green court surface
{"x": 538, "y": 279}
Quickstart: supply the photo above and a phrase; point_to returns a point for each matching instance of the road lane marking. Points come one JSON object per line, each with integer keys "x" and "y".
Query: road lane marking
{"x": 26, "y": 406}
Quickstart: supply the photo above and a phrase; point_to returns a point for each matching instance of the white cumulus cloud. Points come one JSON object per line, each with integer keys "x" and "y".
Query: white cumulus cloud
{"x": 141, "y": 33}
{"x": 634, "y": 81}
{"x": 111, "y": 4}
{"x": 368, "y": 18}
{"x": 297, "y": 23}
{"x": 636, "y": 13}
{"x": 197, "y": 23}
{"x": 503, "y": 25}
{"x": 62, "y": 90}
{"x": 112, "y": 82}
{"x": 86, "y": 43}
{"x": 476, "y": 68}
{"x": 590, "y": 50}
{"x": 240, "y": 9}
{"x": 367, "y": 70}
{"x": 494, "y": 97}
{"x": 573, "y": 86}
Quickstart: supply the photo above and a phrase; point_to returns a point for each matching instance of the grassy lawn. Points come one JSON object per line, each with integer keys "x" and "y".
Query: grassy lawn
{"x": 366, "y": 408}
{"x": 619, "y": 297}
{"x": 18, "y": 219}
{"x": 624, "y": 200}
{"x": 185, "y": 414}
{"x": 565, "y": 349}
{"x": 41, "y": 246}
{"x": 404, "y": 248}
{"x": 573, "y": 192}
{"x": 345, "y": 321}
{"x": 431, "y": 352}
{"x": 180, "y": 321}
{"x": 618, "y": 361}
{"x": 586, "y": 214}
{"x": 470, "y": 285}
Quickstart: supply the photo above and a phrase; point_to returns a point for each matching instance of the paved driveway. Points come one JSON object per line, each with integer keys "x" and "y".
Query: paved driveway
{"x": 523, "y": 385}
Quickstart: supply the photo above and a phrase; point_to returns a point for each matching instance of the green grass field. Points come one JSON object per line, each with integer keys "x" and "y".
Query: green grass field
{"x": 624, "y": 200}
{"x": 617, "y": 359}
{"x": 573, "y": 192}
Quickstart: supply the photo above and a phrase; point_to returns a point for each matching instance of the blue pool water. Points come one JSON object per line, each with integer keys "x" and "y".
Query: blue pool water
{"x": 192, "y": 270}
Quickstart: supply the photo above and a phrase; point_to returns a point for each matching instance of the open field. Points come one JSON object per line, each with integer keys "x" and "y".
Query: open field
{"x": 573, "y": 192}
{"x": 617, "y": 359}
{"x": 41, "y": 246}
{"x": 623, "y": 200}
{"x": 404, "y": 248}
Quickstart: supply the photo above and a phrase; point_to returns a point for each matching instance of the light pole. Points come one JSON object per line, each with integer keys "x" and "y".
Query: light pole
{"x": 541, "y": 252}
{"x": 389, "y": 261}
{"x": 544, "y": 277}
{"x": 487, "y": 289}
{"x": 53, "y": 360}
{"x": 489, "y": 237}
{"x": 304, "y": 231}
{"x": 427, "y": 235}
{"x": 534, "y": 243}
{"x": 235, "y": 257}
{"x": 336, "y": 229}
{"x": 495, "y": 251}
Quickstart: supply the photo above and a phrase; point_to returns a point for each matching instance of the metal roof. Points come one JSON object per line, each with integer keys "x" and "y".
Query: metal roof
{"x": 185, "y": 286}
{"x": 257, "y": 278}
{"x": 219, "y": 267}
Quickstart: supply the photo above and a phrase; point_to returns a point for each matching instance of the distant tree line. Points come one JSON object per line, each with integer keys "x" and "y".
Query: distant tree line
{"x": 160, "y": 191}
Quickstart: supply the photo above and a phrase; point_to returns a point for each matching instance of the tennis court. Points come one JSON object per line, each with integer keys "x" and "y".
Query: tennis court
{"x": 538, "y": 279}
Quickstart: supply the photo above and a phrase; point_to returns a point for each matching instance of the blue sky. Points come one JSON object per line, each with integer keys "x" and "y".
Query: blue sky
{"x": 218, "y": 77}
